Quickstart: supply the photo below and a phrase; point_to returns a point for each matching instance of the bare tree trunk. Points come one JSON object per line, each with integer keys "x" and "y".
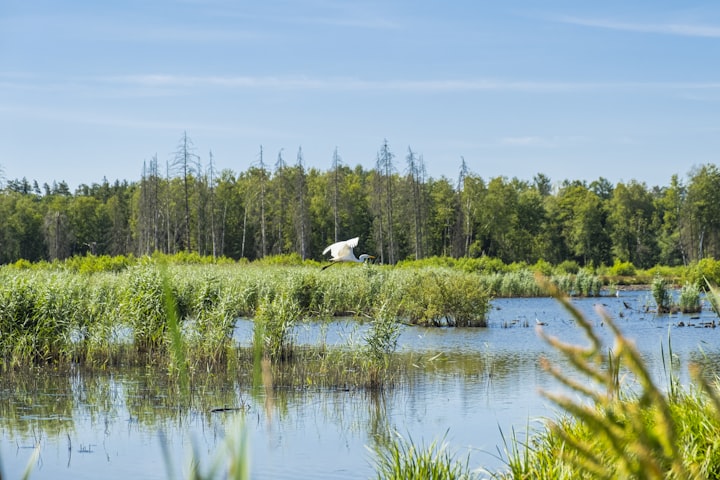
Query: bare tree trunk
{"x": 336, "y": 193}
{"x": 187, "y": 162}
{"x": 201, "y": 213}
{"x": 143, "y": 214}
{"x": 387, "y": 167}
{"x": 168, "y": 218}
{"x": 58, "y": 237}
{"x": 465, "y": 207}
{"x": 378, "y": 209}
{"x": 281, "y": 210}
{"x": 242, "y": 247}
{"x": 263, "y": 235}
{"x": 414, "y": 172}
{"x": 212, "y": 207}
{"x": 301, "y": 216}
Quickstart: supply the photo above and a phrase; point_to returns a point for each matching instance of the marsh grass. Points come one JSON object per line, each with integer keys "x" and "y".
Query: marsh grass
{"x": 610, "y": 431}
{"x": 382, "y": 337}
{"x": 661, "y": 294}
{"x": 102, "y": 311}
{"x": 404, "y": 459}
{"x": 521, "y": 283}
{"x": 689, "y": 301}
{"x": 442, "y": 298}
{"x": 109, "y": 318}
{"x": 273, "y": 326}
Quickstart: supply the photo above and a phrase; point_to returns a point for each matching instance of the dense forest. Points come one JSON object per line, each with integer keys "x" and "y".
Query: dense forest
{"x": 279, "y": 207}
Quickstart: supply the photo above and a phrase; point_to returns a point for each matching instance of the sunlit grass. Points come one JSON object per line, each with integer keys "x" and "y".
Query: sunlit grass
{"x": 106, "y": 318}
{"x": 612, "y": 431}
{"x": 403, "y": 459}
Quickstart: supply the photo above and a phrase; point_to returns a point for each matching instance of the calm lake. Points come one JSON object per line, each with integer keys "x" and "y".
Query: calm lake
{"x": 484, "y": 384}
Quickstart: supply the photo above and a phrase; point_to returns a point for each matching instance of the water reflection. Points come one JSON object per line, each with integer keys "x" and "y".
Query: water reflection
{"x": 468, "y": 384}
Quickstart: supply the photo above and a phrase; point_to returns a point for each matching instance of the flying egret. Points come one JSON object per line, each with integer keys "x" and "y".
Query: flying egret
{"x": 343, "y": 252}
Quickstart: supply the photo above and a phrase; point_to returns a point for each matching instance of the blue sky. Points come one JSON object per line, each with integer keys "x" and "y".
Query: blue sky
{"x": 575, "y": 90}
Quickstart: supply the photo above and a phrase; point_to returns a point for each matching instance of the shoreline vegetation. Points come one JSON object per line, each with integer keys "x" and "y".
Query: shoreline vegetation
{"x": 101, "y": 310}
{"x": 177, "y": 313}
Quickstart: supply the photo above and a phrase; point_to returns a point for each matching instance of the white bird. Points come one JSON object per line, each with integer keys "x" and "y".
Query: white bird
{"x": 343, "y": 252}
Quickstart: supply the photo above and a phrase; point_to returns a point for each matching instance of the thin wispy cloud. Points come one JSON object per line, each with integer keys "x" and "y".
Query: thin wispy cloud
{"x": 540, "y": 141}
{"x": 301, "y": 82}
{"x": 95, "y": 119}
{"x": 356, "y": 14}
{"x": 373, "y": 23}
{"x": 527, "y": 141}
{"x": 127, "y": 28}
{"x": 688, "y": 30}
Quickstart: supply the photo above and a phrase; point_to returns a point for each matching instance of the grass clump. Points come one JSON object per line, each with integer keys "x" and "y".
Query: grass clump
{"x": 661, "y": 294}
{"x": 444, "y": 297}
{"x": 402, "y": 459}
{"x": 689, "y": 301}
{"x": 274, "y": 322}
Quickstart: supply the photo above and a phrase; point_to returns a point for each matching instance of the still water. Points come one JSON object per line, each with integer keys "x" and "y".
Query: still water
{"x": 122, "y": 424}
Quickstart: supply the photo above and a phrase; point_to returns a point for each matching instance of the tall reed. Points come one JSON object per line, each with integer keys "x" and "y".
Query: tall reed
{"x": 102, "y": 315}
{"x": 661, "y": 294}
{"x": 274, "y": 322}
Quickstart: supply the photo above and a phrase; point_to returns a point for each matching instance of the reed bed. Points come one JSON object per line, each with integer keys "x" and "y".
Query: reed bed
{"x": 105, "y": 318}
{"x": 108, "y": 311}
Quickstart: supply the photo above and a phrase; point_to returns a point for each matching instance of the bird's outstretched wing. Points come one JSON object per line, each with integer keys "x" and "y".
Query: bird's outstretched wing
{"x": 342, "y": 249}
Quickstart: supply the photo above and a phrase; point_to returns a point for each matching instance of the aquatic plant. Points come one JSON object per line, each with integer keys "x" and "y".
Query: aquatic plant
{"x": 689, "y": 301}
{"x": 443, "y": 297}
{"x": 380, "y": 342}
{"x": 403, "y": 459}
{"x": 274, "y": 322}
{"x": 518, "y": 284}
{"x": 581, "y": 284}
{"x": 57, "y": 314}
{"x": 382, "y": 336}
{"x": 143, "y": 306}
{"x": 661, "y": 294}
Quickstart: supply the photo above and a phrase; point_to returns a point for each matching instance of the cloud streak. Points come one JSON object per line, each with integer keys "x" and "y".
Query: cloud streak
{"x": 291, "y": 82}
{"x": 95, "y": 119}
{"x": 534, "y": 141}
{"x": 686, "y": 30}
{"x": 161, "y": 84}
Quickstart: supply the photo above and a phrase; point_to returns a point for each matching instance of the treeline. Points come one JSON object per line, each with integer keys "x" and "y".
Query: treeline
{"x": 185, "y": 205}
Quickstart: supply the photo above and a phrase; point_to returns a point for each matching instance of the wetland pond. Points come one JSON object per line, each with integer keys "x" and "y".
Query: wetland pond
{"x": 473, "y": 386}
